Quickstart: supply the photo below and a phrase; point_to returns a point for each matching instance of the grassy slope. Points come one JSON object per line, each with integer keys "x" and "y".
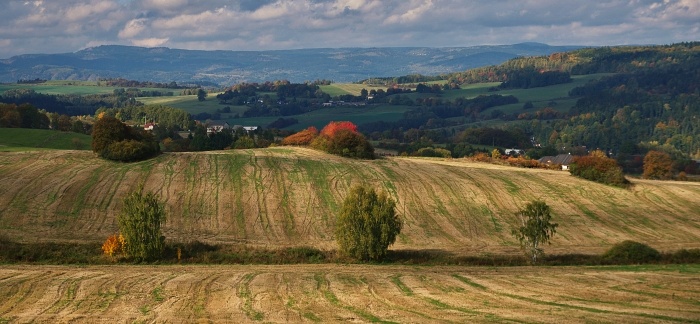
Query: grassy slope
{"x": 289, "y": 196}
{"x": 22, "y": 139}
{"x": 66, "y": 87}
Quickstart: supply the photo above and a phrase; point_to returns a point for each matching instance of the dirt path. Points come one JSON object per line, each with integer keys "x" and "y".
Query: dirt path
{"x": 348, "y": 293}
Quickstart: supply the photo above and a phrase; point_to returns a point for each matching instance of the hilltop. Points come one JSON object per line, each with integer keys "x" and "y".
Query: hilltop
{"x": 230, "y": 67}
{"x": 287, "y": 196}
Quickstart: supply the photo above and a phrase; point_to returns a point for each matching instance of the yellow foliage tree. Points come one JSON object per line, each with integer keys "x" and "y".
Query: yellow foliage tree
{"x": 114, "y": 245}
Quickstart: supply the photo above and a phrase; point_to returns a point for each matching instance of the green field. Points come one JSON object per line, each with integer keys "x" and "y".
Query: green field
{"x": 22, "y": 139}
{"x": 553, "y": 96}
{"x": 67, "y": 87}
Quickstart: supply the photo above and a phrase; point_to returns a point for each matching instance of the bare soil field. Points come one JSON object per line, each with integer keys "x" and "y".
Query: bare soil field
{"x": 286, "y": 196}
{"x": 348, "y": 293}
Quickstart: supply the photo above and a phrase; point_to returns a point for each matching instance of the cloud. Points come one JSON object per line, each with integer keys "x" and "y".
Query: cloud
{"x": 132, "y": 28}
{"x": 36, "y": 26}
{"x": 149, "y": 42}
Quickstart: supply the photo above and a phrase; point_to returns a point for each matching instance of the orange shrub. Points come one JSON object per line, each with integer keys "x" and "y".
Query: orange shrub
{"x": 113, "y": 245}
{"x": 304, "y": 137}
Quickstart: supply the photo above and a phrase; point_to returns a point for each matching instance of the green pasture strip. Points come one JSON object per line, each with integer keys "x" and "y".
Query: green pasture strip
{"x": 24, "y": 139}
{"x": 69, "y": 87}
{"x": 321, "y": 117}
{"x": 192, "y": 105}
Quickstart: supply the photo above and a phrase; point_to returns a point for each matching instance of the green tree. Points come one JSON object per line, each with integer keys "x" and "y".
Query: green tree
{"x": 536, "y": 228}
{"x": 139, "y": 221}
{"x": 106, "y": 131}
{"x": 367, "y": 224}
{"x": 658, "y": 165}
{"x": 201, "y": 95}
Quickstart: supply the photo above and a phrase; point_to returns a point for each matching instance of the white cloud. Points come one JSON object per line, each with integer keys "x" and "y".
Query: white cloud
{"x": 35, "y": 26}
{"x": 149, "y": 42}
{"x": 132, "y": 28}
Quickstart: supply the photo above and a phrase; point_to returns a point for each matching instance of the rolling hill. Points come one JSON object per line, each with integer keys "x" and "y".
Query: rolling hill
{"x": 231, "y": 67}
{"x": 289, "y": 196}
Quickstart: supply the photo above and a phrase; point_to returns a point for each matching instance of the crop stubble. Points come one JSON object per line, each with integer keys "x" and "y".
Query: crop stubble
{"x": 288, "y": 197}
{"x": 323, "y": 293}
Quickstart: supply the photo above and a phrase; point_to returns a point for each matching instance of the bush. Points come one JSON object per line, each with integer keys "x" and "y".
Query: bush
{"x": 599, "y": 168}
{"x": 367, "y": 224}
{"x": 350, "y": 144}
{"x": 139, "y": 222}
{"x": 304, "y": 137}
{"x": 632, "y": 252}
{"x": 114, "y": 140}
{"x": 434, "y": 152}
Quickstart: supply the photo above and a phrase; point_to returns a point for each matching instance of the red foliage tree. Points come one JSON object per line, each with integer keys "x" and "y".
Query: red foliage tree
{"x": 333, "y": 127}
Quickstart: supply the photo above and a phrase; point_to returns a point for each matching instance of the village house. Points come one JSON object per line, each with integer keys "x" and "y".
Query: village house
{"x": 562, "y": 159}
{"x": 216, "y": 126}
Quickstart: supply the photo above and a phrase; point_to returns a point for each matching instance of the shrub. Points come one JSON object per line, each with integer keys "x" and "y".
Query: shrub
{"x": 434, "y": 152}
{"x": 139, "y": 221}
{"x": 304, "y": 137}
{"x": 350, "y": 144}
{"x": 113, "y": 245}
{"x": 367, "y": 224}
{"x": 631, "y": 252}
{"x": 599, "y": 168}
{"x": 114, "y": 140}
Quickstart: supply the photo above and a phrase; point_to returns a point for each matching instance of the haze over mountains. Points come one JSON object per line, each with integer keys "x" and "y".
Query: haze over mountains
{"x": 162, "y": 64}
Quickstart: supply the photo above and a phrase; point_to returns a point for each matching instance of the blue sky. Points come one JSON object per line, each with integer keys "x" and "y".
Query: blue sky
{"x": 52, "y": 26}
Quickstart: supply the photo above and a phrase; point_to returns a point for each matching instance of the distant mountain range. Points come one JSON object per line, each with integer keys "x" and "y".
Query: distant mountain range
{"x": 162, "y": 64}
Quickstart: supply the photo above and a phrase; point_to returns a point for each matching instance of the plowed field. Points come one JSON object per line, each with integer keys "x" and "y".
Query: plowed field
{"x": 353, "y": 293}
{"x": 289, "y": 196}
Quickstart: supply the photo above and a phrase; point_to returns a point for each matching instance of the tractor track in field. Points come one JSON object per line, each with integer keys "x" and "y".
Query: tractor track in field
{"x": 363, "y": 293}
{"x": 290, "y": 197}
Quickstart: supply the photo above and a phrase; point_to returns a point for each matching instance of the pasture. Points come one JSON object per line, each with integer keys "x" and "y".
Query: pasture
{"x": 22, "y": 139}
{"x": 71, "y": 87}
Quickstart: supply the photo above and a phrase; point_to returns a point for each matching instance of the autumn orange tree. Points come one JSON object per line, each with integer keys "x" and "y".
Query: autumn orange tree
{"x": 658, "y": 165}
{"x": 597, "y": 167}
{"x": 304, "y": 137}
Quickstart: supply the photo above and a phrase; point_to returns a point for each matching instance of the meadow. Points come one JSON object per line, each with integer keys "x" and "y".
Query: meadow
{"x": 71, "y": 87}
{"x": 22, "y": 139}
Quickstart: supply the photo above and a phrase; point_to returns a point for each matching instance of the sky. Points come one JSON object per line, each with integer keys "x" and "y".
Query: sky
{"x": 62, "y": 26}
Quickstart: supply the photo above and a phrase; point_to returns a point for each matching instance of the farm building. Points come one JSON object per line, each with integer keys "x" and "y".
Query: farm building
{"x": 562, "y": 159}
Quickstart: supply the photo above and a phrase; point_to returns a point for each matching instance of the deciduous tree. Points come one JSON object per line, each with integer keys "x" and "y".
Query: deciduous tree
{"x": 536, "y": 228}
{"x": 658, "y": 165}
{"x": 139, "y": 221}
{"x": 367, "y": 224}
